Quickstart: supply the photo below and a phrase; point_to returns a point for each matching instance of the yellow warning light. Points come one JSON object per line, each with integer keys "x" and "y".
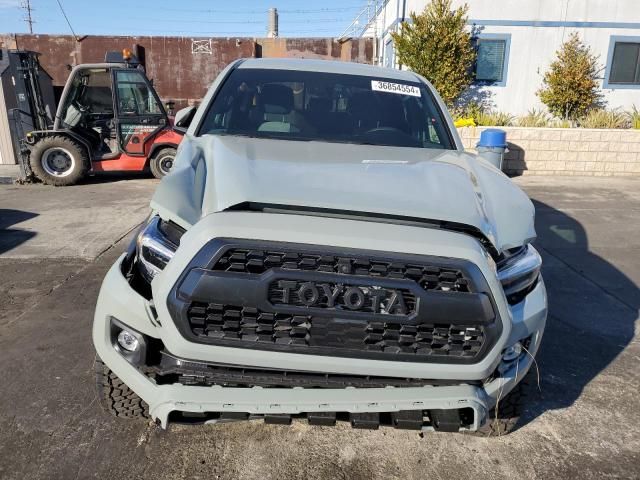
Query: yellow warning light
{"x": 126, "y": 54}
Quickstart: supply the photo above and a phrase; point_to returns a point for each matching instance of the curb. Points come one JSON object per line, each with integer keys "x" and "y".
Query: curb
{"x": 9, "y": 174}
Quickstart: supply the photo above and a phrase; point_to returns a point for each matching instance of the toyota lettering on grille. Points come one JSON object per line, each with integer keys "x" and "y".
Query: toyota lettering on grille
{"x": 366, "y": 299}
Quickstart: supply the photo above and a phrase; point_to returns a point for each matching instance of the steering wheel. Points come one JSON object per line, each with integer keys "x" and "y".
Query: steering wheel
{"x": 128, "y": 105}
{"x": 393, "y": 136}
{"x": 81, "y": 108}
{"x": 373, "y": 131}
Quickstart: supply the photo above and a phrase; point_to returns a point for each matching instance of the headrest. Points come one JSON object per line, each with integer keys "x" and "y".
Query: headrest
{"x": 276, "y": 98}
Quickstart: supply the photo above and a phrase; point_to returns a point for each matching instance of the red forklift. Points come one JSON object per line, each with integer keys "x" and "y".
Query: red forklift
{"x": 109, "y": 118}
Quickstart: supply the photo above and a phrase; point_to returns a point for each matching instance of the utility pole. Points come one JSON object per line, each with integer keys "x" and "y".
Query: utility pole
{"x": 375, "y": 33}
{"x": 26, "y": 6}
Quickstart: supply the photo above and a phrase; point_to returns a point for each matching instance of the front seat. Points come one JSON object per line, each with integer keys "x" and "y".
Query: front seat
{"x": 275, "y": 103}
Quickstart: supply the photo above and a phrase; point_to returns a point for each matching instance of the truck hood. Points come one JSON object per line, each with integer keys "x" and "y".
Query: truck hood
{"x": 215, "y": 173}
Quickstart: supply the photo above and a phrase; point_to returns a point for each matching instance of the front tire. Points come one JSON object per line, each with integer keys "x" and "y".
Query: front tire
{"x": 115, "y": 397}
{"x": 162, "y": 162}
{"x": 58, "y": 160}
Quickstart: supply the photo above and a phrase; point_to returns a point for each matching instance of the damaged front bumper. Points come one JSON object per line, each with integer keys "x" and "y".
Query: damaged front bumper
{"x": 118, "y": 300}
{"x": 468, "y": 390}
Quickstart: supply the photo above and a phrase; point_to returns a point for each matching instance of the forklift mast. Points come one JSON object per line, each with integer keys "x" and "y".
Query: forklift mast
{"x": 41, "y": 111}
{"x": 28, "y": 96}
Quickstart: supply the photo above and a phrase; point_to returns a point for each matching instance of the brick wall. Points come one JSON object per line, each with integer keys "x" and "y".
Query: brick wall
{"x": 566, "y": 151}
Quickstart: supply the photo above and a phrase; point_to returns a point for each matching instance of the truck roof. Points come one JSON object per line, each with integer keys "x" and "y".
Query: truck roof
{"x": 329, "y": 66}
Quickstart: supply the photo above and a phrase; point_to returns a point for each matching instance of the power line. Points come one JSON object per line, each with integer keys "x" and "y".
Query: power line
{"x": 26, "y": 6}
{"x": 68, "y": 22}
{"x": 296, "y": 27}
{"x": 254, "y": 11}
{"x": 320, "y": 10}
{"x": 235, "y": 33}
{"x": 230, "y": 22}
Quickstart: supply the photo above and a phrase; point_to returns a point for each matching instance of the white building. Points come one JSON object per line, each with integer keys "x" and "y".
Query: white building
{"x": 518, "y": 39}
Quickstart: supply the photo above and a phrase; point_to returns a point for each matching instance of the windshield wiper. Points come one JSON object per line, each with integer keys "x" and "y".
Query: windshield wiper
{"x": 265, "y": 137}
{"x": 227, "y": 134}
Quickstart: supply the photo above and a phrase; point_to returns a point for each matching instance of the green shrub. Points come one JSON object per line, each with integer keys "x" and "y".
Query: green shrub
{"x": 634, "y": 117}
{"x": 534, "y": 118}
{"x": 437, "y": 45}
{"x": 604, "y": 119}
{"x": 571, "y": 86}
{"x": 494, "y": 119}
{"x": 469, "y": 110}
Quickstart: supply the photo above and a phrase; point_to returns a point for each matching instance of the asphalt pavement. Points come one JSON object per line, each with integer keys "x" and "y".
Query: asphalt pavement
{"x": 57, "y": 243}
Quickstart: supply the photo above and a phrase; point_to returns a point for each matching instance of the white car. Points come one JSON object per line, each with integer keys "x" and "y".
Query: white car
{"x": 324, "y": 248}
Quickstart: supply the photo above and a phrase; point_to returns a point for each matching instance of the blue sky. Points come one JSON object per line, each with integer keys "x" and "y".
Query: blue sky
{"x": 182, "y": 18}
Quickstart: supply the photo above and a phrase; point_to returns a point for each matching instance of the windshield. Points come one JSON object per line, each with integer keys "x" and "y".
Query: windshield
{"x": 326, "y": 107}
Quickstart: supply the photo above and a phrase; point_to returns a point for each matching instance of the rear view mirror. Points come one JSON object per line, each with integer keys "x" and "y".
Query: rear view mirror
{"x": 183, "y": 117}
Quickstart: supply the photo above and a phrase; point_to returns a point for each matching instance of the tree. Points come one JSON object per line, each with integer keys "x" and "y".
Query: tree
{"x": 438, "y": 46}
{"x": 570, "y": 87}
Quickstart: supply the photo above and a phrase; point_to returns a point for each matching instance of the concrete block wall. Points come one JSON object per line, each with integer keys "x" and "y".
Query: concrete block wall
{"x": 566, "y": 151}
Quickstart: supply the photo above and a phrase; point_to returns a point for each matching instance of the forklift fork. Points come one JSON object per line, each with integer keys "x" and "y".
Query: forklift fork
{"x": 26, "y": 174}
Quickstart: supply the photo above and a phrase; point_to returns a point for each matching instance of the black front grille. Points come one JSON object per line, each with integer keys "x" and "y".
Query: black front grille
{"x": 429, "y": 277}
{"x": 247, "y": 324}
{"x": 335, "y": 302}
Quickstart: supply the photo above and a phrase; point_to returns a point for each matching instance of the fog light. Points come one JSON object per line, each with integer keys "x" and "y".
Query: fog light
{"x": 512, "y": 352}
{"x": 128, "y": 341}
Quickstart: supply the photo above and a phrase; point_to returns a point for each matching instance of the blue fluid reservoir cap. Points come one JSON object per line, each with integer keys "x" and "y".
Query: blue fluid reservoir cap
{"x": 493, "y": 137}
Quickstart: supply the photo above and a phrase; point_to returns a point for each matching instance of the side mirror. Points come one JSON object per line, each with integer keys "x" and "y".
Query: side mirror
{"x": 183, "y": 117}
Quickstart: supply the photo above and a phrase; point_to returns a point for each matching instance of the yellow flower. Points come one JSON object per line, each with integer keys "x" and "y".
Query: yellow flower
{"x": 464, "y": 122}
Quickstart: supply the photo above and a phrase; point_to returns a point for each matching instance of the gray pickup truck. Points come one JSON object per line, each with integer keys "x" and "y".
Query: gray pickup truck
{"x": 324, "y": 249}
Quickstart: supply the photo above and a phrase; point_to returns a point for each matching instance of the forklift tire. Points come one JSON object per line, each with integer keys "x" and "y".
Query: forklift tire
{"x": 162, "y": 162}
{"x": 59, "y": 161}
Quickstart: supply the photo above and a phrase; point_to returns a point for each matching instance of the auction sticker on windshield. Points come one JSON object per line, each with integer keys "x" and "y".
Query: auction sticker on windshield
{"x": 399, "y": 88}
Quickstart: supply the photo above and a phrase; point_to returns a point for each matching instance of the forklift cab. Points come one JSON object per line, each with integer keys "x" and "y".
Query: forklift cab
{"x": 109, "y": 119}
{"x": 112, "y": 108}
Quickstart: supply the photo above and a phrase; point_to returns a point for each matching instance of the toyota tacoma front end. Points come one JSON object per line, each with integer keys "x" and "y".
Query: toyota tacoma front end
{"x": 325, "y": 249}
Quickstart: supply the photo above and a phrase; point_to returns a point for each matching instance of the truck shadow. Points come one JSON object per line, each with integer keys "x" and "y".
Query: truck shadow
{"x": 12, "y": 237}
{"x": 113, "y": 177}
{"x": 593, "y": 308}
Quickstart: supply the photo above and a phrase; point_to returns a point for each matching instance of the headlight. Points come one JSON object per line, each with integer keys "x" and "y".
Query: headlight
{"x": 130, "y": 343}
{"x": 519, "y": 272}
{"x": 156, "y": 245}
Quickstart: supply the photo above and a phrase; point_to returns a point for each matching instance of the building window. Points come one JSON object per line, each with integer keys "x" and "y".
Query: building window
{"x": 625, "y": 66}
{"x": 623, "y": 63}
{"x": 491, "y": 62}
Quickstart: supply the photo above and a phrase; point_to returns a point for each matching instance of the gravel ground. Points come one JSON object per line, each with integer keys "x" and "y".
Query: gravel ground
{"x": 585, "y": 422}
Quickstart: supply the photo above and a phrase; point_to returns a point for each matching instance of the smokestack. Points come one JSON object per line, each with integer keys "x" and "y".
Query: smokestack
{"x": 272, "y": 29}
